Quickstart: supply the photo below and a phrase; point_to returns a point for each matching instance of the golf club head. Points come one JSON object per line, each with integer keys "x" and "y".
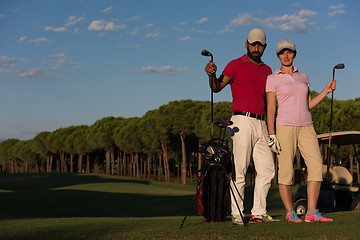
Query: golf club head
{"x": 210, "y": 150}
{"x": 339, "y": 66}
{"x": 223, "y": 123}
{"x": 206, "y": 53}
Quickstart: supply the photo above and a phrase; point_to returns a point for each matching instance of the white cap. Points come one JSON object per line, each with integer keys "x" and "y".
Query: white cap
{"x": 256, "y": 35}
{"x": 285, "y": 44}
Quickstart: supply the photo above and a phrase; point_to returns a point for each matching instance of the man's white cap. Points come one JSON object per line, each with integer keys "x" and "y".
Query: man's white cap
{"x": 285, "y": 44}
{"x": 256, "y": 35}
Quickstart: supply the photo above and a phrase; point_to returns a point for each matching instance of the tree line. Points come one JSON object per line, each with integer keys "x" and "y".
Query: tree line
{"x": 163, "y": 144}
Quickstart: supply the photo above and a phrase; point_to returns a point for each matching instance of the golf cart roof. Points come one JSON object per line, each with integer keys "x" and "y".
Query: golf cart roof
{"x": 340, "y": 138}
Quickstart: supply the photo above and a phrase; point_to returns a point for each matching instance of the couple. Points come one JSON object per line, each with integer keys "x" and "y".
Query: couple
{"x": 255, "y": 92}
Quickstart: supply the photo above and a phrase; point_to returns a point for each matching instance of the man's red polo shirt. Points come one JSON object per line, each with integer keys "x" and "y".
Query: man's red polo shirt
{"x": 248, "y": 82}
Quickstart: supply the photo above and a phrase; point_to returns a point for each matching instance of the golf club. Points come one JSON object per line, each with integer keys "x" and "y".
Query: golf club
{"x": 206, "y": 53}
{"x": 338, "y": 66}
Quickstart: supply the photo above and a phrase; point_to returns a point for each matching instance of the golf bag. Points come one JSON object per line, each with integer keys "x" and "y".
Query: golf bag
{"x": 213, "y": 199}
{"x": 213, "y": 189}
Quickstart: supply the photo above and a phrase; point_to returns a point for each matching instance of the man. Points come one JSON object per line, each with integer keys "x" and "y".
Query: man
{"x": 247, "y": 78}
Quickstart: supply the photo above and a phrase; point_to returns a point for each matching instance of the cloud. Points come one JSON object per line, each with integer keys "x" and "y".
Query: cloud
{"x": 3, "y": 71}
{"x": 152, "y": 35}
{"x": 106, "y": 9}
{"x": 60, "y": 29}
{"x": 59, "y": 63}
{"x": 244, "y": 19}
{"x": 186, "y": 38}
{"x": 43, "y": 39}
{"x": 297, "y": 22}
{"x": 47, "y": 69}
{"x": 59, "y": 55}
{"x": 21, "y": 39}
{"x": 99, "y": 25}
{"x": 338, "y": 9}
{"x": 165, "y": 70}
{"x": 331, "y": 26}
{"x": 135, "y": 31}
{"x": 7, "y": 62}
{"x": 29, "y": 73}
{"x": 335, "y": 7}
{"x": 2, "y": 16}
{"x": 225, "y": 30}
{"x": 7, "y": 65}
{"x": 136, "y": 18}
{"x": 72, "y": 20}
{"x": 203, "y": 20}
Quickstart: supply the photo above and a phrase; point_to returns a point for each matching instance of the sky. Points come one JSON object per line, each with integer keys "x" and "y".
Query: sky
{"x": 72, "y": 62}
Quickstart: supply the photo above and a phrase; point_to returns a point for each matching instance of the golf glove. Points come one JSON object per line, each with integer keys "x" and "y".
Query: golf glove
{"x": 274, "y": 144}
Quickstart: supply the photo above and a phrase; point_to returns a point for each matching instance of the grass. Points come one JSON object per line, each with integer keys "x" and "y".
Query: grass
{"x": 71, "y": 206}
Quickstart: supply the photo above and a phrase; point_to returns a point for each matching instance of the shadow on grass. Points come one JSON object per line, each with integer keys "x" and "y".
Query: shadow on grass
{"x": 45, "y": 181}
{"x": 33, "y": 196}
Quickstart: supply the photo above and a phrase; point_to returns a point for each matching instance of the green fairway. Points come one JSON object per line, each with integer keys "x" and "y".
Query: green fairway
{"x": 71, "y": 206}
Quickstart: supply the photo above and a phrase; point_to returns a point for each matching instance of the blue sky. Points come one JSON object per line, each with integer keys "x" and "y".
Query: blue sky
{"x": 72, "y": 62}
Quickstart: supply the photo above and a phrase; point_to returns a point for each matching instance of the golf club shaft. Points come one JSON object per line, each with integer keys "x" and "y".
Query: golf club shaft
{"x": 330, "y": 127}
{"x": 208, "y": 54}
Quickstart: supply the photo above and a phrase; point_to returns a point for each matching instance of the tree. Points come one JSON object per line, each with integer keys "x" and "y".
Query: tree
{"x": 101, "y": 135}
{"x": 69, "y": 145}
{"x": 8, "y": 156}
{"x": 29, "y": 159}
{"x": 40, "y": 147}
{"x": 128, "y": 138}
{"x": 83, "y": 147}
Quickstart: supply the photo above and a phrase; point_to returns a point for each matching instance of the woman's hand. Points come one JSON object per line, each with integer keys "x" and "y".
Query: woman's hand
{"x": 331, "y": 86}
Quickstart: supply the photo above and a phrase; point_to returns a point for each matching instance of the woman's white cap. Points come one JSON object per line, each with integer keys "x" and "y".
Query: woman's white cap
{"x": 285, "y": 44}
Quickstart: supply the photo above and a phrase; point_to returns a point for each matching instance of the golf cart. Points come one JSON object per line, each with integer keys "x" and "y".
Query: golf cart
{"x": 338, "y": 191}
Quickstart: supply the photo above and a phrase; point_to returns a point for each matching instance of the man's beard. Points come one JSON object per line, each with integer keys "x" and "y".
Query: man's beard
{"x": 255, "y": 56}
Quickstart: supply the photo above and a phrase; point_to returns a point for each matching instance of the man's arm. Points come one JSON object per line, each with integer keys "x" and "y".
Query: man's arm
{"x": 216, "y": 84}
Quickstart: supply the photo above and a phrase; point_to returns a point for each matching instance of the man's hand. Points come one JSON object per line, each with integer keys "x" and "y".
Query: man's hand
{"x": 210, "y": 68}
{"x": 274, "y": 144}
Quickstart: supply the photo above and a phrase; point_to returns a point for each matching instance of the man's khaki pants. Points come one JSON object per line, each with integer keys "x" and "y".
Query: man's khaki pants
{"x": 250, "y": 139}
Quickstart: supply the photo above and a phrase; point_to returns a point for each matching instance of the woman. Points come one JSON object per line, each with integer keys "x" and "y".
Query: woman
{"x": 294, "y": 128}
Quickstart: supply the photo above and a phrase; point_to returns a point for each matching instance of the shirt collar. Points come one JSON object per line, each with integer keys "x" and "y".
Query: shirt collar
{"x": 245, "y": 58}
{"x": 278, "y": 71}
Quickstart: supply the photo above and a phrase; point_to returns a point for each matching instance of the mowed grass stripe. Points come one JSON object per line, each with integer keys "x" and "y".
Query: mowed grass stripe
{"x": 134, "y": 188}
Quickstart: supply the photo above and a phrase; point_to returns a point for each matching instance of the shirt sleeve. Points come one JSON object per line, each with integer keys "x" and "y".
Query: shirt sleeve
{"x": 307, "y": 81}
{"x": 229, "y": 70}
{"x": 270, "y": 84}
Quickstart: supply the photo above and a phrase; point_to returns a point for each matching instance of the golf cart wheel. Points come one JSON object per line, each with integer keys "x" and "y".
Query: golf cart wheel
{"x": 300, "y": 206}
{"x": 355, "y": 206}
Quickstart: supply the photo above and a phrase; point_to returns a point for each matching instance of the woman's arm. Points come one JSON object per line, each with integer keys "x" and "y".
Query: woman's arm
{"x": 271, "y": 107}
{"x": 331, "y": 86}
